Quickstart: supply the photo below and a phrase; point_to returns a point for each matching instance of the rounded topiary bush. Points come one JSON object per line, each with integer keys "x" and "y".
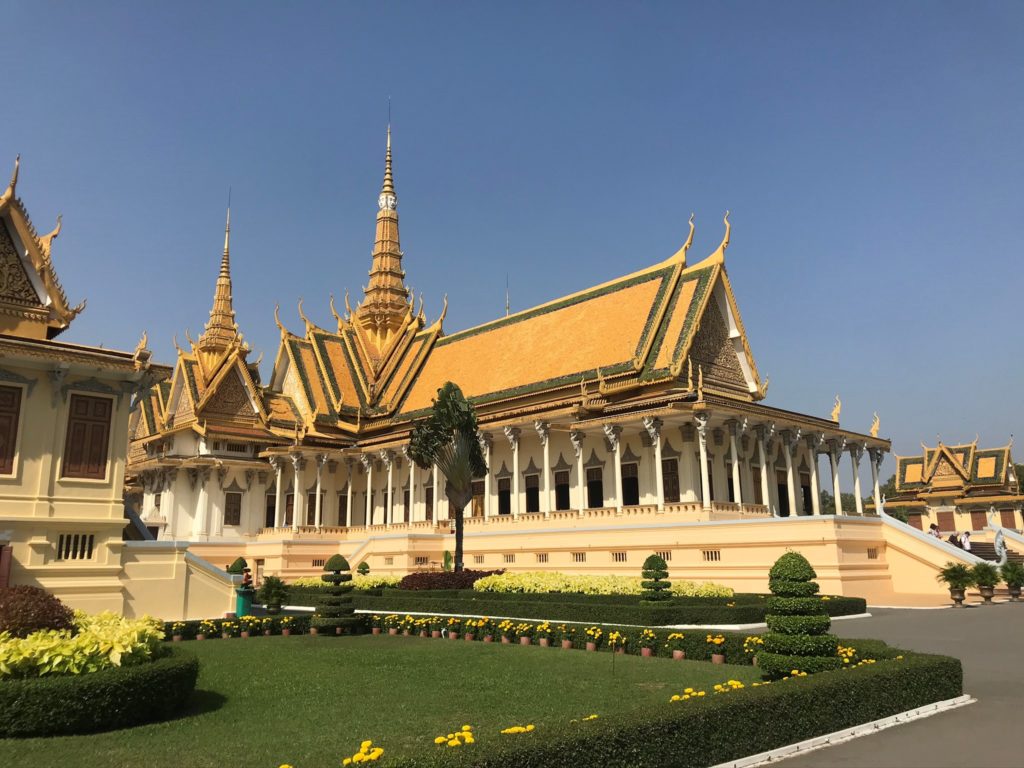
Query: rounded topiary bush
{"x": 335, "y": 613}
{"x": 239, "y": 566}
{"x": 798, "y": 622}
{"x": 656, "y": 585}
{"x": 24, "y": 610}
{"x": 96, "y": 701}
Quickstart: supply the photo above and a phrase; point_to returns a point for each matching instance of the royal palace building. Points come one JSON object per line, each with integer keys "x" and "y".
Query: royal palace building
{"x": 635, "y": 405}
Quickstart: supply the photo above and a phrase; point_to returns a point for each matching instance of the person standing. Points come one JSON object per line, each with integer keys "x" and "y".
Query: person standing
{"x": 965, "y": 541}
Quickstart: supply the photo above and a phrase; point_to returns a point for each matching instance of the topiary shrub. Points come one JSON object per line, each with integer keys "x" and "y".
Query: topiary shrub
{"x": 335, "y": 613}
{"x": 798, "y": 622}
{"x": 656, "y": 585}
{"x": 464, "y": 579}
{"x": 273, "y": 592}
{"x": 363, "y": 568}
{"x": 238, "y": 567}
{"x": 24, "y": 610}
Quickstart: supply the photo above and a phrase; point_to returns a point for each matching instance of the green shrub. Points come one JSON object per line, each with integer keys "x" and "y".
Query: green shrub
{"x": 798, "y": 625}
{"x": 956, "y": 576}
{"x": 363, "y": 568}
{"x": 334, "y": 610}
{"x": 800, "y": 645}
{"x": 239, "y": 566}
{"x": 447, "y": 562}
{"x": 111, "y": 698}
{"x": 798, "y": 638}
{"x": 722, "y": 729}
{"x": 24, "y": 610}
{"x": 656, "y": 585}
{"x": 273, "y": 592}
{"x": 797, "y": 606}
{"x": 786, "y": 588}
{"x": 985, "y": 574}
{"x": 1012, "y": 573}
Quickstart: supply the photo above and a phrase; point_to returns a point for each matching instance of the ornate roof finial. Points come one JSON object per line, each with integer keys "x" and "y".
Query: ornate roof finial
{"x": 680, "y": 255}
{"x": 719, "y": 255}
{"x": 277, "y": 320}
{"x": 836, "y": 409}
{"x": 387, "y": 198}
{"x": 10, "y": 191}
{"x": 221, "y": 329}
{"x": 47, "y": 240}
{"x": 875, "y": 424}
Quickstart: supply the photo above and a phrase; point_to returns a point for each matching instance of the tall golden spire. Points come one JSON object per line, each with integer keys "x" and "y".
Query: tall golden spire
{"x": 221, "y": 330}
{"x": 385, "y": 302}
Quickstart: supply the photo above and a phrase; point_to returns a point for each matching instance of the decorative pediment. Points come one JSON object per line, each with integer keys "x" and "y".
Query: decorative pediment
{"x": 15, "y": 284}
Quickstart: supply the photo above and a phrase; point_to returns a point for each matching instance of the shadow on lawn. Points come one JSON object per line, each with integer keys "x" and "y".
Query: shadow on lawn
{"x": 201, "y": 703}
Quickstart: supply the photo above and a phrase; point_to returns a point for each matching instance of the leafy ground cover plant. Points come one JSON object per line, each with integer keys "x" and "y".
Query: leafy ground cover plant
{"x": 24, "y": 610}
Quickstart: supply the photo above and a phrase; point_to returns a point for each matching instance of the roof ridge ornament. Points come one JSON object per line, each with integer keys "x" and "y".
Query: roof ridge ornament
{"x": 680, "y": 255}
{"x": 10, "y": 192}
{"x": 836, "y": 409}
{"x": 719, "y": 255}
{"x": 875, "y": 424}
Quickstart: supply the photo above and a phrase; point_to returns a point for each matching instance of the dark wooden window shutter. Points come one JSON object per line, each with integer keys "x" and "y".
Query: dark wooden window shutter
{"x": 10, "y": 412}
{"x": 85, "y": 453}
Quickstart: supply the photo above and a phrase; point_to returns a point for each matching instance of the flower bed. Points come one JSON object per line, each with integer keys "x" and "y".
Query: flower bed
{"x": 255, "y": 625}
{"x": 116, "y": 697}
{"x": 534, "y": 582}
{"x": 562, "y": 607}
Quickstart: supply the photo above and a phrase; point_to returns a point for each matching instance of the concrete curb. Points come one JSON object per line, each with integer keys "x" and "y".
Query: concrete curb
{"x": 838, "y": 737}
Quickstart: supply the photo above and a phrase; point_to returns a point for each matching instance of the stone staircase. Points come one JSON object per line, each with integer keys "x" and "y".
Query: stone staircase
{"x": 987, "y": 551}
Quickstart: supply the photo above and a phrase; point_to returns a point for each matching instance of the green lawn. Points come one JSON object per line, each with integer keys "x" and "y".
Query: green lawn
{"x": 309, "y": 701}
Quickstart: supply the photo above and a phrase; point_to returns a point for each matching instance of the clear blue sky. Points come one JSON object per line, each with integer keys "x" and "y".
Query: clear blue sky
{"x": 871, "y": 154}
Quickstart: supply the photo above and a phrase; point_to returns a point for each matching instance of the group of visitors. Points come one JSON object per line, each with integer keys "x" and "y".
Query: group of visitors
{"x": 962, "y": 540}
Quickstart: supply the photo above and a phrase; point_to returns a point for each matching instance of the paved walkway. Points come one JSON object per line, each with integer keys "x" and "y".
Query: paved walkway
{"x": 982, "y": 735}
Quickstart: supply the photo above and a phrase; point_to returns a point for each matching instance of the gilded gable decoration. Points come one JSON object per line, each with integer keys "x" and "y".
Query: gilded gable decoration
{"x": 15, "y": 286}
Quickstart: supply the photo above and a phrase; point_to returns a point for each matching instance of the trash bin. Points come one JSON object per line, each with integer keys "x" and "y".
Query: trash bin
{"x": 243, "y": 601}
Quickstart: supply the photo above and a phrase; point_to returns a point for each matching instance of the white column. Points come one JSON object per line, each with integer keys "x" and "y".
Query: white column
{"x": 368, "y": 501}
{"x": 201, "y": 521}
{"x": 278, "y": 464}
{"x": 813, "y": 444}
{"x": 835, "y": 451}
{"x": 653, "y": 427}
{"x": 217, "y": 513}
{"x": 875, "y": 456}
{"x": 387, "y": 458}
{"x": 437, "y": 495}
{"x": 348, "y": 493}
{"x": 512, "y": 433}
{"x": 576, "y": 438}
{"x": 485, "y": 446}
{"x": 318, "y": 507}
{"x": 299, "y": 497}
{"x": 856, "y": 451}
{"x": 788, "y": 442}
{"x": 737, "y": 491}
{"x": 543, "y": 429}
{"x": 614, "y": 433}
{"x": 701, "y": 420}
{"x": 762, "y": 456}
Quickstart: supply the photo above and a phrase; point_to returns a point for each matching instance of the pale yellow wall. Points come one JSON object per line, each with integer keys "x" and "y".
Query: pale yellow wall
{"x": 163, "y": 579}
{"x": 37, "y": 505}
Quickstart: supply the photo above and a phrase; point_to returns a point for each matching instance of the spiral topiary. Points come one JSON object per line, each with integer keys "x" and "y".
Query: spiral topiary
{"x": 656, "y": 585}
{"x": 798, "y": 622}
{"x": 334, "y": 610}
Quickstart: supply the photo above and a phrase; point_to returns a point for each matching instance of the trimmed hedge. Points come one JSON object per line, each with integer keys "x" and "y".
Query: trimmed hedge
{"x": 797, "y": 606}
{"x": 443, "y": 579}
{"x": 612, "y": 609}
{"x": 800, "y": 645}
{"x": 97, "y": 701}
{"x": 722, "y": 728}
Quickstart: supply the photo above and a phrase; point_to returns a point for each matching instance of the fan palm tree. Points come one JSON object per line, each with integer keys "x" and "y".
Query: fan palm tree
{"x": 448, "y": 438}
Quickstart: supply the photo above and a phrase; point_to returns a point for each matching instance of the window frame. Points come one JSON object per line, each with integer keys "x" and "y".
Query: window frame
{"x": 22, "y": 391}
{"x": 72, "y": 394}
{"x": 228, "y": 495}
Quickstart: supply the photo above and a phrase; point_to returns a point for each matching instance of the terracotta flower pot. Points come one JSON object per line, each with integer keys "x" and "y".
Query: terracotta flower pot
{"x": 468, "y": 636}
{"x": 286, "y": 632}
{"x": 314, "y": 631}
{"x": 406, "y": 633}
{"x": 591, "y": 646}
{"x": 375, "y": 631}
{"x": 544, "y": 642}
{"x": 245, "y": 633}
{"x": 567, "y": 645}
{"x": 488, "y": 638}
{"x": 200, "y": 636}
{"x": 424, "y": 633}
{"x": 392, "y": 631}
{"x": 718, "y": 658}
{"x": 453, "y": 635}
{"x": 338, "y": 630}
{"x": 678, "y": 655}
{"x": 505, "y": 639}
{"x": 525, "y": 640}
{"x": 225, "y": 635}
{"x": 647, "y": 652}
{"x": 176, "y": 638}
{"x": 435, "y": 633}
{"x": 621, "y": 650}
{"x": 268, "y": 632}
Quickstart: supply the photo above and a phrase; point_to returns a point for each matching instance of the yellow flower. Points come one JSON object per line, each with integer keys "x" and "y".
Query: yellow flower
{"x": 440, "y": 740}
{"x": 467, "y": 727}
{"x": 453, "y": 743}
{"x": 366, "y": 745}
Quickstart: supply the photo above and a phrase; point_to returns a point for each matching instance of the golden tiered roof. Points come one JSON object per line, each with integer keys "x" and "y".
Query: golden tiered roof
{"x": 32, "y": 301}
{"x": 960, "y": 470}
